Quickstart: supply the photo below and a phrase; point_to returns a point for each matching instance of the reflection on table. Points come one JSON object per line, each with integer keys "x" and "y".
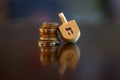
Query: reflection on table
{"x": 66, "y": 56}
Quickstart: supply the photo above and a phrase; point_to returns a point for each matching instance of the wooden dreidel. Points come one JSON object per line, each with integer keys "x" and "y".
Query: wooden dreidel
{"x": 69, "y": 30}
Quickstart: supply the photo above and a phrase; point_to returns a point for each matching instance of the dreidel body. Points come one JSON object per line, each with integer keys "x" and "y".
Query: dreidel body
{"x": 69, "y": 30}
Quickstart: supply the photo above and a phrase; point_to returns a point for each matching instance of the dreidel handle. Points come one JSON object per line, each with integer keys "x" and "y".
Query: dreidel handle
{"x": 62, "y": 18}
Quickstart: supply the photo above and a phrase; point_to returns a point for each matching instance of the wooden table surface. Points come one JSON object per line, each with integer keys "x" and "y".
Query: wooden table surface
{"x": 96, "y": 56}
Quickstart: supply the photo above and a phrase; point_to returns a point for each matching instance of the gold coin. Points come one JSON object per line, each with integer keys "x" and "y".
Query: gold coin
{"x": 43, "y": 43}
{"x": 47, "y": 35}
{"x": 53, "y": 39}
{"x": 49, "y": 25}
{"x": 47, "y": 30}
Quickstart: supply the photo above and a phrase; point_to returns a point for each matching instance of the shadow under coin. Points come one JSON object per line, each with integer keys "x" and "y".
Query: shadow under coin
{"x": 48, "y": 55}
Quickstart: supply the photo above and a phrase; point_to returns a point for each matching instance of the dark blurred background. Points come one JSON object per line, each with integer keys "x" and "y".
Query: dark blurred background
{"x": 90, "y": 11}
{"x": 99, "y": 42}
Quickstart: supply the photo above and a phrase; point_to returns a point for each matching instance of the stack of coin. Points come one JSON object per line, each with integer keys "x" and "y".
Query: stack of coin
{"x": 48, "y": 34}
